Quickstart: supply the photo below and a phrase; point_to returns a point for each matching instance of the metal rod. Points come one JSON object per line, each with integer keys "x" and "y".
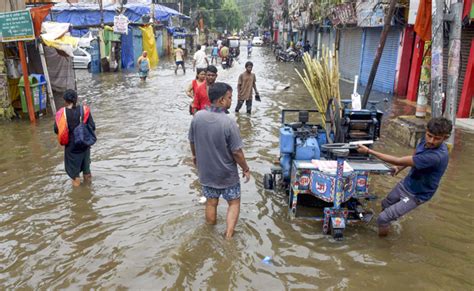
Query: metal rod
{"x": 453, "y": 65}
{"x": 378, "y": 55}
{"x": 46, "y": 76}
{"x": 437, "y": 58}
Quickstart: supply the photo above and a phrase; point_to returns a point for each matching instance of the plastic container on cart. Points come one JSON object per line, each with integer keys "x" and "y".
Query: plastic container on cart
{"x": 287, "y": 140}
{"x": 38, "y": 92}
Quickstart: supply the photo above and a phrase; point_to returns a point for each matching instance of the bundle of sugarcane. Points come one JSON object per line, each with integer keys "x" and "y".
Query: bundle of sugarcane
{"x": 321, "y": 78}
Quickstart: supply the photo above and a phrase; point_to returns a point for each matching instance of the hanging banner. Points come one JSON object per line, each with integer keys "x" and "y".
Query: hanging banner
{"x": 16, "y": 26}
{"x": 121, "y": 24}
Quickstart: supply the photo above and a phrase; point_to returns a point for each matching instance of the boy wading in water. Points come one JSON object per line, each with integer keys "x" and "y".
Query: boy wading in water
{"x": 247, "y": 82}
{"x": 428, "y": 165}
{"x": 179, "y": 58}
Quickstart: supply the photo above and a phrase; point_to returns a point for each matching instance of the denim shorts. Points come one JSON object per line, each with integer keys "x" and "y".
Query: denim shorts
{"x": 229, "y": 193}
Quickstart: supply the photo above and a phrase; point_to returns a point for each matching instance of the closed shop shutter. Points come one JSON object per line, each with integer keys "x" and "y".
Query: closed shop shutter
{"x": 467, "y": 34}
{"x": 325, "y": 39}
{"x": 350, "y": 46}
{"x": 386, "y": 72}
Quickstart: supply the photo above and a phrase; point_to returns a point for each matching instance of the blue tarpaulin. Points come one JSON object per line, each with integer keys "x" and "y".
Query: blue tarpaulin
{"x": 89, "y": 14}
{"x": 128, "y": 55}
{"x": 137, "y": 43}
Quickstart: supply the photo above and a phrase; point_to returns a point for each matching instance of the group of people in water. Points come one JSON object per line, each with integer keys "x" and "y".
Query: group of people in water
{"x": 217, "y": 148}
{"x": 216, "y": 145}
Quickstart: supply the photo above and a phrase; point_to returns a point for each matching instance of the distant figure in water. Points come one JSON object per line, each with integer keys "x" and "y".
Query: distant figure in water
{"x": 143, "y": 66}
{"x": 77, "y": 158}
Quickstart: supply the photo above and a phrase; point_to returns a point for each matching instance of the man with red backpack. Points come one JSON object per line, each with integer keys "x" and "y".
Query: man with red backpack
{"x": 75, "y": 129}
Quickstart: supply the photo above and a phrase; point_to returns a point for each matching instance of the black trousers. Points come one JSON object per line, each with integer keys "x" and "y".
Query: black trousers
{"x": 248, "y": 103}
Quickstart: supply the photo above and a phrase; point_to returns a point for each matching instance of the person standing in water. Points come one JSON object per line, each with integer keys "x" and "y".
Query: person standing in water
{"x": 77, "y": 158}
{"x": 195, "y": 84}
{"x": 179, "y": 58}
{"x": 217, "y": 150}
{"x": 214, "y": 53}
{"x": 143, "y": 66}
{"x": 201, "y": 97}
{"x": 247, "y": 82}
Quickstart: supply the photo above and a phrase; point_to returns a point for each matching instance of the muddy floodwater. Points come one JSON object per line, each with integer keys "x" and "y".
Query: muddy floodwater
{"x": 139, "y": 225}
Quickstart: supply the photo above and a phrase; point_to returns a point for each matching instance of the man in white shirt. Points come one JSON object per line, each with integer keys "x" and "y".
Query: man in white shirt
{"x": 200, "y": 58}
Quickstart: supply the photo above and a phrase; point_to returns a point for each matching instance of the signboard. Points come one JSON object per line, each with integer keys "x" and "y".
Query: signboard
{"x": 15, "y": 26}
{"x": 343, "y": 14}
{"x": 121, "y": 24}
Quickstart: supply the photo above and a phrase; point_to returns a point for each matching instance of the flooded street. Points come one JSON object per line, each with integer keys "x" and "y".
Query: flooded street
{"x": 139, "y": 224}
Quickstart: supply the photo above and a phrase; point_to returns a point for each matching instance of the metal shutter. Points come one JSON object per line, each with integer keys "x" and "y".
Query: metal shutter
{"x": 385, "y": 77}
{"x": 467, "y": 34}
{"x": 325, "y": 43}
{"x": 350, "y": 47}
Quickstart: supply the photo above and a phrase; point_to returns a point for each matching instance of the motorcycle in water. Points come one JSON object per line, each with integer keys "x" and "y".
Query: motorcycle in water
{"x": 290, "y": 55}
{"x": 226, "y": 62}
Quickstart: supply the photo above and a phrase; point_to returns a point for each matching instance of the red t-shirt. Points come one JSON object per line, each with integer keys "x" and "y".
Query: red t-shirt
{"x": 201, "y": 100}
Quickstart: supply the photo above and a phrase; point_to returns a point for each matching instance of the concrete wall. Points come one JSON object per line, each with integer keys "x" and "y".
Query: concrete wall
{"x": 17, "y": 5}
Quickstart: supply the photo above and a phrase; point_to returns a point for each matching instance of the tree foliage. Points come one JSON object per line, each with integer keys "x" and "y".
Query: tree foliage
{"x": 215, "y": 13}
{"x": 265, "y": 16}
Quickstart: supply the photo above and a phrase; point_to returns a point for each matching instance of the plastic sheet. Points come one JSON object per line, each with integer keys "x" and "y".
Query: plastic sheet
{"x": 128, "y": 59}
{"x": 149, "y": 44}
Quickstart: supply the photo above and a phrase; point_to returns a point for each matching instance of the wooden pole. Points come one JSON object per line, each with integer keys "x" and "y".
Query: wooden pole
{"x": 453, "y": 65}
{"x": 29, "y": 100}
{"x": 46, "y": 76}
{"x": 437, "y": 58}
{"x": 378, "y": 55}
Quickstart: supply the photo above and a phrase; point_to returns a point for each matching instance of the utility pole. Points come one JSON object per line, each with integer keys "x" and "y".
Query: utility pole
{"x": 101, "y": 7}
{"x": 453, "y": 63}
{"x": 437, "y": 8}
{"x": 378, "y": 55}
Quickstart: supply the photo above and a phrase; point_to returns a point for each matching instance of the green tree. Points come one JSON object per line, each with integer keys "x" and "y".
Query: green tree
{"x": 215, "y": 13}
{"x": 265, "y": 16}
{"x": 229, "y": 16}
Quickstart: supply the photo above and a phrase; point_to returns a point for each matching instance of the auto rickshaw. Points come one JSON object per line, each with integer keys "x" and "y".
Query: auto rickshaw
{"x": 234, "y": 46}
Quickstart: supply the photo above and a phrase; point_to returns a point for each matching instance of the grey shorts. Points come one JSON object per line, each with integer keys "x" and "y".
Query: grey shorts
{"x": 229, "y": 193}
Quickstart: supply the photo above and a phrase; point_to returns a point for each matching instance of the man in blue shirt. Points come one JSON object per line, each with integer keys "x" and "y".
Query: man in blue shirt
{"x": 428, "y": 165}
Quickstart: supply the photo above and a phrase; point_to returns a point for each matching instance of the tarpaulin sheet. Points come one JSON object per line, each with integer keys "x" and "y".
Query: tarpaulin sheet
{"x": 54, "y": 35}
{"x": 89, "y": 14}
{"x": 128, "y": 55}
{"x": 60, "y": 69}
{"x": 149, "y": 44}
{"x": 137, "y": 43}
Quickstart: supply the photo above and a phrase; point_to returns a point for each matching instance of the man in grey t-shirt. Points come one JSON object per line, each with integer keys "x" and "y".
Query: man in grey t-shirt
{"x": 217, "y": 149}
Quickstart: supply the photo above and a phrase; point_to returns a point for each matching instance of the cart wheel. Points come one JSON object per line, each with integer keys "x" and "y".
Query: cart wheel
{"x": 268, "y": 181}
{"x": 336, "y": 233}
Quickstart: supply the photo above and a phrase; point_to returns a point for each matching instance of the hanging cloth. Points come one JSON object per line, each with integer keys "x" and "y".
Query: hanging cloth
{"x": 149, "y": 44}
{"x": 423, "y": 20}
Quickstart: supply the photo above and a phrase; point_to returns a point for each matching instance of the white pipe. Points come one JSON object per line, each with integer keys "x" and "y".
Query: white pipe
{"x": 356, "y": 82}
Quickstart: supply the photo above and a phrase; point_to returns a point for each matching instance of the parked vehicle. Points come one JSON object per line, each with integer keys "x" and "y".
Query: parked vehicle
{"x": 290, "y": 55}
{"x": 234, "y": 46}
{"x": 82, "y": 58}
{"x": 257, "y": 41}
